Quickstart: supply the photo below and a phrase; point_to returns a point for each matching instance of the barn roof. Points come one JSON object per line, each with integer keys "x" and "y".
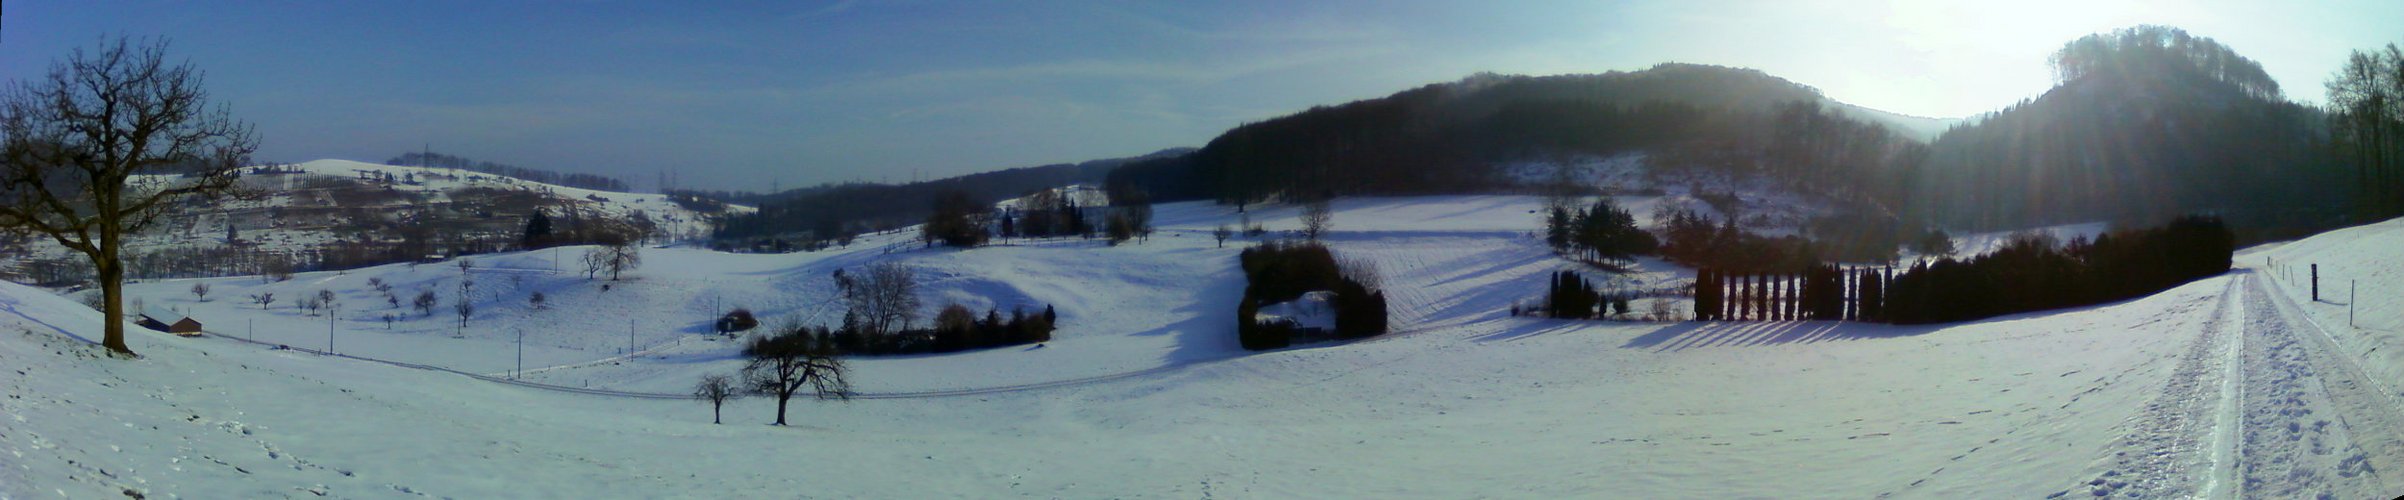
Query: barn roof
{"x": 167, "y": 316}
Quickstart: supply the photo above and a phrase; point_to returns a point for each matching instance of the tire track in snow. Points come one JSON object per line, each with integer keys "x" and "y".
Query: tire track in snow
{"x": 2314, "y": 424}
{"x": 2165, "y": 452}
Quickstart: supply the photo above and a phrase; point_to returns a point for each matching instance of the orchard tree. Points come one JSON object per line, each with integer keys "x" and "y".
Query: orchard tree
{"x": 425, "y": 302}
{"x": 466, "y": 305}
{"x": 99, "y": 148}
{"x": 716, "y": 389}
{"x": 201, "y": 290}
{"x": 784, "y": 363}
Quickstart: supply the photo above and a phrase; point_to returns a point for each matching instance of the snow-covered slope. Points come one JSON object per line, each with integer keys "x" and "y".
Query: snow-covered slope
{"x": 306, "y": 211}
{"x": 2361, "y": 290}
{"x": 1143, "y": 393}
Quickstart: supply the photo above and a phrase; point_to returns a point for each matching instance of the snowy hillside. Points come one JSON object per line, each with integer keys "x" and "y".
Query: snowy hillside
{"x": 2214, "y": 388}
{"x": 1761, "y": 205}
{"x": 2361, "y": 286}
{"x": 308, "y": 212}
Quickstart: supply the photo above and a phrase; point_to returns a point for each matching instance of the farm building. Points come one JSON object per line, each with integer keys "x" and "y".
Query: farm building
{"x": 169, "y": 321}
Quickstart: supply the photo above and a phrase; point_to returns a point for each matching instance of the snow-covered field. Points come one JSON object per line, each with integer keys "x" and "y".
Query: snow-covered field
{"x": 2230, "y": 386}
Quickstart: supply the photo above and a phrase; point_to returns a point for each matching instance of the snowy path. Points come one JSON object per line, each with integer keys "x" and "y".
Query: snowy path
{"x": 2177, "y": 445}
{"x": 2258, "y": 406}
{"x": 2314, "y": 424}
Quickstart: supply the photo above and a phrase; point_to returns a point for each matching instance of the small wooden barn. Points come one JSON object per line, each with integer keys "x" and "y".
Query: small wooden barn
{"x": 170, "y": 322}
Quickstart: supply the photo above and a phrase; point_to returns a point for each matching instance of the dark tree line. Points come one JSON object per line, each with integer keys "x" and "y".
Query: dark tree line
{"x": 1695, "y": 240}
{"x": 1596, "y": 233}
{"x": 1277, "y": 272}
{"x": 2033, "y": 273}
{"x": 2147, "y": 124}
{"x": 1819, "y": 150}
{"x": 1447, "y": 138}
{"x": 2366, "y": 100}
{"x": 1571, "y": 296}
{"x": 1046, "y": 213}
{"x": 1823, "y": 292}
{"x": 834, "y": 211}
{"x": 958, "y": 221}
{"x": 2161, "y": 48}
{"x": 955, "y": 329}
{"x": 574, "y": 180}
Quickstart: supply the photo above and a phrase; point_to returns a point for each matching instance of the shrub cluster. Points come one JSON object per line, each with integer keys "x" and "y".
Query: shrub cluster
{"x": 1692, "y": 239}
{"x": 1571, "y": 296}
{"x": 1277, "y": 272}
{"x": 955, "y": 329}
{"x": 2031, "y": 273}
{"x": 1603, "y": 231}
{"x": 737, "y": 320}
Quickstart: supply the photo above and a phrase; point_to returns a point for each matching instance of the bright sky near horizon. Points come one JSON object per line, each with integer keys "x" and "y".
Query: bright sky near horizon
{"x": 743, "y": 95}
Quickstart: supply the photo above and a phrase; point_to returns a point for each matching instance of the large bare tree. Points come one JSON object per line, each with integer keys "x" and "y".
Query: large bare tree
{"x": 793, "y": 358}
{"x": 882, "y": 297}
{"x": 97, "y": 150}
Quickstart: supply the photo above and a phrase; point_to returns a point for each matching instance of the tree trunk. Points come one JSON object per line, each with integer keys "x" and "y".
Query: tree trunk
{"x": 715, "y": 406}
{"x": 781, "y": 398}
{"x": 112, "y": 314}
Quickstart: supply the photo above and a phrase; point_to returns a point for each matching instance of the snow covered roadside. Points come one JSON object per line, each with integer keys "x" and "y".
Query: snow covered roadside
{"x": 2361, "y": 291}
{"x": 1466, "y": 402}
{"x": 1510, "y": 407}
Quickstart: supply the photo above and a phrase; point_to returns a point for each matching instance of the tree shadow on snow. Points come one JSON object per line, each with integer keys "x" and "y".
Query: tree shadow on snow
{"x": 1690, "y": 335}
{"x": 1208, "y": 330}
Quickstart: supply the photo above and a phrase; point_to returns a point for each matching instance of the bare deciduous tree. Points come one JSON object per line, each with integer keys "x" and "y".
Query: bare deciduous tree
{"x": 883, "y": 296}
{"x": 466, "y": 305}
{"x": 716, "y": 389}
{"x": 615, "y": 255}
{"x": 91, "y": 154}
{"x": 201, "y": 290}
{"x": 1315, "y": 219}
{"x": 1221, "y": 234}
{"x": 425, "y": 302}
{"x": 791, "y": 359}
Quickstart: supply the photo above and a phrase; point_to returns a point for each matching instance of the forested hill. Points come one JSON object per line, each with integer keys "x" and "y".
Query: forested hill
{"x": 2146, "y": 123}
{"x": 830, "y": 211}
{"x": 1449, "y": 137}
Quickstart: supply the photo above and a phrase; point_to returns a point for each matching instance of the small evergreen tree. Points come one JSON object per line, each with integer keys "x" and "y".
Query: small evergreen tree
{"x": 538, "y": 230}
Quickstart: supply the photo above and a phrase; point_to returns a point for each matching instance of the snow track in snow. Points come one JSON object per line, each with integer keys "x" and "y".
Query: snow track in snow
{"x": 2174, "y": 438}
{"x": 2314, "y": 425}
{"x": 2257, "y": 407}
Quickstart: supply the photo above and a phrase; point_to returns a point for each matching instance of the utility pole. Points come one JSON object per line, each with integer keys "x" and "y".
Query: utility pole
{"x": 329, "y": 331}
{"x": 630, "y": 335}
{"x": 521, "y": 370}
{"x": 2316, "y": 282}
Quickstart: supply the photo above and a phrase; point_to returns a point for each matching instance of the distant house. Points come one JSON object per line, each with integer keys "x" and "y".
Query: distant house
{"x": 169, "y": 321}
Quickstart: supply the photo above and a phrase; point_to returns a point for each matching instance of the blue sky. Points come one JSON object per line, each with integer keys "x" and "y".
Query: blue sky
{"x": 748, "y": 95}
